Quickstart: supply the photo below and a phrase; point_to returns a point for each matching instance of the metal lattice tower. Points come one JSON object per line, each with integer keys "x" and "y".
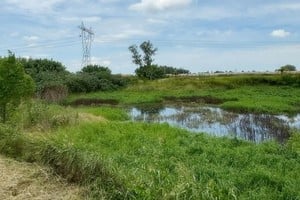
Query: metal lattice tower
{"x": 87, "y": 36}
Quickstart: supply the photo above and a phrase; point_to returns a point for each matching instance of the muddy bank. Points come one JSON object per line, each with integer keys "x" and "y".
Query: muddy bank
{"x": 197, "y": 99}
{"x": 93, "y": 102}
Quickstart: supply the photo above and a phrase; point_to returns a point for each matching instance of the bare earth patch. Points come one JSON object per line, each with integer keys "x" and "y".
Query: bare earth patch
{"x": 24, "y": 181}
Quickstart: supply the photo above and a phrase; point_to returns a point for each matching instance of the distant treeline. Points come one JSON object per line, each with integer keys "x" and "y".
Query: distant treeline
{"x": 53, "y": 81}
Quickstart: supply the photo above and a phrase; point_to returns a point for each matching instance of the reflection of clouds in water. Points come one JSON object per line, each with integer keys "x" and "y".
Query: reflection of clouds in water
{"x": 218, "y": 122}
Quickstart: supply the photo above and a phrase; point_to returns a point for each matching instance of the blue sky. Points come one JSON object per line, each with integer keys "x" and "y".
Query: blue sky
{"x": 197, "y": 35}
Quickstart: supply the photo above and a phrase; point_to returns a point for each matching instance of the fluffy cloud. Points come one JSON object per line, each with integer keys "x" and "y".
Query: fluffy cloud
{"x": 280, "y": 33}
{"x": 159, "y": 5}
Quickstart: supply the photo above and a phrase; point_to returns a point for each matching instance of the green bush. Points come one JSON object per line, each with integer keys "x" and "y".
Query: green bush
{"x": 94, "y": 78}
{"x": 150, "y": 72}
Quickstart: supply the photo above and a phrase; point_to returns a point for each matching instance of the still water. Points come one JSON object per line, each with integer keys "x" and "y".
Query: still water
{"x": 218, "y": 122}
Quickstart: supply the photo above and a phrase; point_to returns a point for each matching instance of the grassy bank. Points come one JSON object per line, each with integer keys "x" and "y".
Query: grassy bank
{"x": 118, "y": 160}
{"x": 160, "y": 162}
{"x": 256, "y": 93}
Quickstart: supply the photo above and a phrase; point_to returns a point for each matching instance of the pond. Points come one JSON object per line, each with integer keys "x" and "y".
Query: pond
{"x": 215, "y": 121}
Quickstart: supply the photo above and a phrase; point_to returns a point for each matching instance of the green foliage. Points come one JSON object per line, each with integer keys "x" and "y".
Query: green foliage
{"x": 159, "y": 162}
{"x": 148, "y": 51}
{"x": 49, "y": 77}
{"x": 42, "y": 117}
{"x": 34, "y": 66}
{"x": 146, "y": 69}
{"x": 173, "y": 70}
{"x": 103, "y": 72}
{"x": 94, "y": 78}
{"x": 287, "y": 68}
{"x": 14, "y": 85}
{"x": 109, "y": 113}
{"x": 136, "y": 56}
{"x": 153, "y": 72}
{"x": 127, "y": 160}
{"x": 150, "y": 72}
{"x": 118, "y": 160}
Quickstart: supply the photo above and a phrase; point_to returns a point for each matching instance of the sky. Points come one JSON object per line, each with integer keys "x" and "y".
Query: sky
{"x": 198, "y": 35}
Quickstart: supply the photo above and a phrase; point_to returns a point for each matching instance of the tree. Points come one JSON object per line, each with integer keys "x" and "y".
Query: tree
{"x": 146, "y": 68}
{"x": 287, "y": 68}
{"x": 94, "y": 78}
{"x": 47, "y": 75}
{"x": 148, "y": 50}
{"x": 99, "y": 71}
{"x": 173, "y": 70}
{"x": 136, "y": 56}
{"x": 150, "y": 72}
{"x": 15, "y": 85}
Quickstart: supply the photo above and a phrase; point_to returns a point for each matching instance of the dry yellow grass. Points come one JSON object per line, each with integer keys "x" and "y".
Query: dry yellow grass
{"x": 24, "y": 181}
{"x": 87, "y": 117}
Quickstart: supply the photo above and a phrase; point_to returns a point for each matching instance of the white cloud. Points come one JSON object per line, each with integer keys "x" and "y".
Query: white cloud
{"x": 280, "y": 33}
{"x": 159, "y": 5}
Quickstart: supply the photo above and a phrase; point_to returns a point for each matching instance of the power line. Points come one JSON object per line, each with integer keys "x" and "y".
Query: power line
{"x": 86, "y": 43}
{"x": 45, "y": 44}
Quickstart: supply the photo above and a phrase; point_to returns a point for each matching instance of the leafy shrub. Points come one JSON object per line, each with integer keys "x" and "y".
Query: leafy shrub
{"x": 150, "y": 72}
{"x": 94, "y": 78}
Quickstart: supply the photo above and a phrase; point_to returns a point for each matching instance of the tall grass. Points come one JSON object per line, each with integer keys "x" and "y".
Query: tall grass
{"x": 159, "y": 162}
{"x": 109, "y": 113}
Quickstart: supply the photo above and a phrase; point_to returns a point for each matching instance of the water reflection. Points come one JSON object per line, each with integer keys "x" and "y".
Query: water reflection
{"x": 215, "y": 121}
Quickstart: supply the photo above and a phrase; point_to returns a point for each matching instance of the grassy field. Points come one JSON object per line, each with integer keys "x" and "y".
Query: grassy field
{"x": 261, "y": 94}
{"x": 98, "y": 147}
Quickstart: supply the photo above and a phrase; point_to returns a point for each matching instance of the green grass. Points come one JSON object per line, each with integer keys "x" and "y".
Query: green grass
{"x": 155, "y": 161}
{"x": 128, "y": 160}
{"x": 109, "y": 113}
{"x": 239, "y": 93}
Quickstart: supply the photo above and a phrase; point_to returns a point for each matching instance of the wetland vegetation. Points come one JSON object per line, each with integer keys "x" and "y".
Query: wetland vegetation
{"x": 90, "y": 140}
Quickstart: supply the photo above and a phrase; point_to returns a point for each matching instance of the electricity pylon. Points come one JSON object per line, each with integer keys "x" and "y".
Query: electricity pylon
{"x": 87, "y": 36}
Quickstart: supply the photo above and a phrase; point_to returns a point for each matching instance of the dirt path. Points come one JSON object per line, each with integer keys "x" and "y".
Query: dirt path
{"x": 24, "y": 181}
